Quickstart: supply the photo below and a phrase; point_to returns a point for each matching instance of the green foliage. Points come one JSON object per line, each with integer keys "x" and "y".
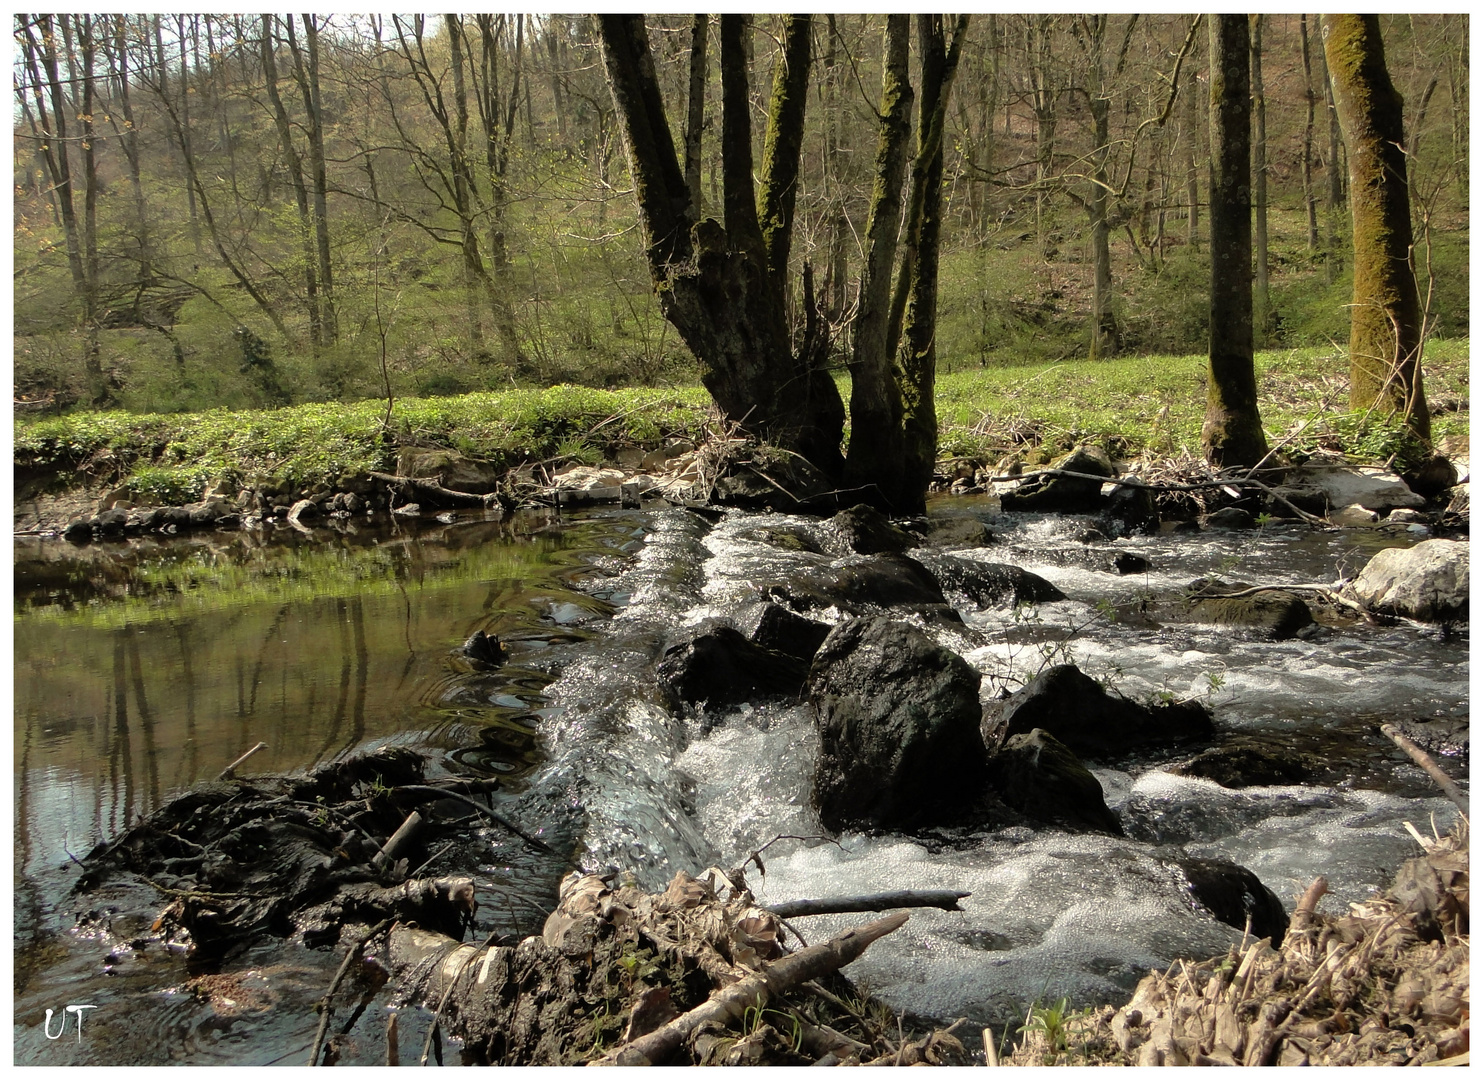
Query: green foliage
{"x": 1049, "y": 1021}
{"x": 318, "y": 443}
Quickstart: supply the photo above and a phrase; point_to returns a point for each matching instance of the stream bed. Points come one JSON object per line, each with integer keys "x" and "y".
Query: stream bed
{"x": 145, "y": 667}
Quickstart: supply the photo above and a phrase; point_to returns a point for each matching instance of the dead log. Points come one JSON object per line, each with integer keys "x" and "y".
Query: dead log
{"x": 731, "y": 1002}
{"x": 1430, "y": 767}
{"x": 946, "y": 899}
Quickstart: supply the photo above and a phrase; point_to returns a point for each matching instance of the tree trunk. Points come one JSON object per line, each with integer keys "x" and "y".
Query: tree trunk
{"x": 695, "y": 114}
{"x": 1232, "y": 434}
{"x": 183, "y": 128}
{"x": 1105, "y": 338}
{"x": 1385, "y": 330}
{"x": 296, "y": 177}
{"x": 1309, "y": 199}
{"x": 1262, "y": 300}
{"x": 714, "y": 283}
{"x": 875, "y": 455}
{"x": 308, "y": 77}
{"x": 1192, "y": 166}
{"x": 1333, "y": 260}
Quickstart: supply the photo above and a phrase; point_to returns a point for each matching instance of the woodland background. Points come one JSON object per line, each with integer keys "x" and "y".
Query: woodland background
{"x": 285, "y": 209}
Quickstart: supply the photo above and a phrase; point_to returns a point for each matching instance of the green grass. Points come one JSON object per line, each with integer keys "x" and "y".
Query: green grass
{"x": 1132, "y": 405}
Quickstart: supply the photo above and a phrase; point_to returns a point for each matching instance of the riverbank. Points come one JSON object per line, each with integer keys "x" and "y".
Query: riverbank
{"x": 1148, "y": 407}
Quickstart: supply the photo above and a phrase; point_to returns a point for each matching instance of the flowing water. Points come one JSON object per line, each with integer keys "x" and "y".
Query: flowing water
{"x": 142, "y": 668}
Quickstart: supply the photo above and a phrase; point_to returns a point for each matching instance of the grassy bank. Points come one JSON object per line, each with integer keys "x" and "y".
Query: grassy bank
{"x": 1133, "y": 405}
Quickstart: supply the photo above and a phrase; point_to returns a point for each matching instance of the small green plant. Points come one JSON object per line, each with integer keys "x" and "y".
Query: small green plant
{"x": 636, "y": 964}
{"x": 1049, "y": 1021}
{"x": 1215, "y": 681}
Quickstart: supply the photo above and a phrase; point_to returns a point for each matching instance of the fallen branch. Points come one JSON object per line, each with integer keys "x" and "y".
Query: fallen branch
{"x": 430, "y": 792}
{"x": 325, "y": 1011}
{"x": 231, "y": 770}
{"x": 1302, "y": 915}
{"x": 431, "y": 489}
{"x": 731, "y": 1002}
{"x": 1430, "y": 767}
{"x": 946, "y": 899}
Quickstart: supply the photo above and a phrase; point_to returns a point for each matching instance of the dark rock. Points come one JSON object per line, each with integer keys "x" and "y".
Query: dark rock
{"x": 1064, "y": 493}
{"x": 1427, "y": 582}
{"x": 1239, "y": 765}
{"x": 789, "y": 633}
{"x": 898, "y": 717}
{"x": 177, "y": 516}
{"x": 1130, "y": 510}
{"x": 1125, "y": 562}
{"x": 878, "y": 582}
{"x": 992, "y": 584}
{"x": 1093, "y": 723}
{"x": 1276, "y": 615}
{"x": 721, "y": 667}
{"x": 1445, "y": 736}
{"x": 789, "y": 539}
{"x": 304, "y": 508}
{"x": 1432, "y": 477}
{"x": 1037, "y": 775}
{"x": 229, "y": 521}
{"x": 1233, "y": 894}
{"x": 1310, "y": 500}
{"x": 79, "y": 531}
{"x": 1230, "y": 517}
{"x": 449, "y": 469}
{"x": 958, "y": 532}
{"x": 145, "y": 518}
{"x": 866, "y": 531}
{"x": 484, "y": 648}
{"x": 111, "y": 522}
{"x": 777, "y": 480}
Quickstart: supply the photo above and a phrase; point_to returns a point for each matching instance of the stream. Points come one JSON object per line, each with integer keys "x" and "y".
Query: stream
{"x": 145, "y": 667}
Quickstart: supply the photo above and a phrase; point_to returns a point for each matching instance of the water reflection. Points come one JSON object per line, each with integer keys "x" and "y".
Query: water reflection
{"x": 142, "y": 668}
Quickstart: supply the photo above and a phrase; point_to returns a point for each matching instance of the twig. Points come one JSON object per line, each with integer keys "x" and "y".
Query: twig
{"x": 231, "y": 770}
{"x": 325, "y": 1012}
{"x": 1430, "y": 767}
{"x": 946, "y": 899}
{"x": 399, "y": 840}
{"x": 991, "y": 1055}
{"x": 1302, "y": 915}
{"x": 442, "y": 793}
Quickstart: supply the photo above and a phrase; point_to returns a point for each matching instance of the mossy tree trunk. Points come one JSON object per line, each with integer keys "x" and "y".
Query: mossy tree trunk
{"x": 1385, "y": 322}
{"x": 1262, "y": 302}
{"x": 893, "y": 370}
{"x": 1232, "y": 434}
{"x": 723, "y": 286}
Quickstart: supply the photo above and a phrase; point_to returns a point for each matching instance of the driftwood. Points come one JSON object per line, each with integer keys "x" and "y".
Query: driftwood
{"x": 754, "y": 991}
{"x": 1430, "y": 767}
{"x": 399, "y": 841}
{"x": 946, "y": 899}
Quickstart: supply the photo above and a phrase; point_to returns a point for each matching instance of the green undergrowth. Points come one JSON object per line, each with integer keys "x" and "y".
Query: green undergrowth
{"x": 174, "y": 457}
{"x": 1143, "y": 405}
{"x": 1155, "y": 405}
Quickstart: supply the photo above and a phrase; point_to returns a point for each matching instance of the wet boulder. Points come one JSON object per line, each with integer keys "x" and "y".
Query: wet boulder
{"x": 1040, "y": 777}
{"x": 990, "y": 584}
{"x": 79, "y": 531}
{"x": 789, "y": 633}
{"x": 958, "y": 532}
{"x": 720, "y": 667}
{"x": 1066, "y": 494}
{"x": 1130, "y": 509}
{"x": 878, "y": 582}
{"x": 1249, "y": 764}
{"x": 1080, "y": 713}
{"x": 1230, "y": 517}
{"x": 898, "y": 718}
{"x": 1431, "y": 477}
{"x": 111, "y": 522}
{"x": 866, "y": 531}
{"x": 785, "y": 482}
{"x": 1276, "y": 616}
{"x": 1233, "y": 894}
{"x": 484, "y": 648}
{"x": 1427, "y": 582}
